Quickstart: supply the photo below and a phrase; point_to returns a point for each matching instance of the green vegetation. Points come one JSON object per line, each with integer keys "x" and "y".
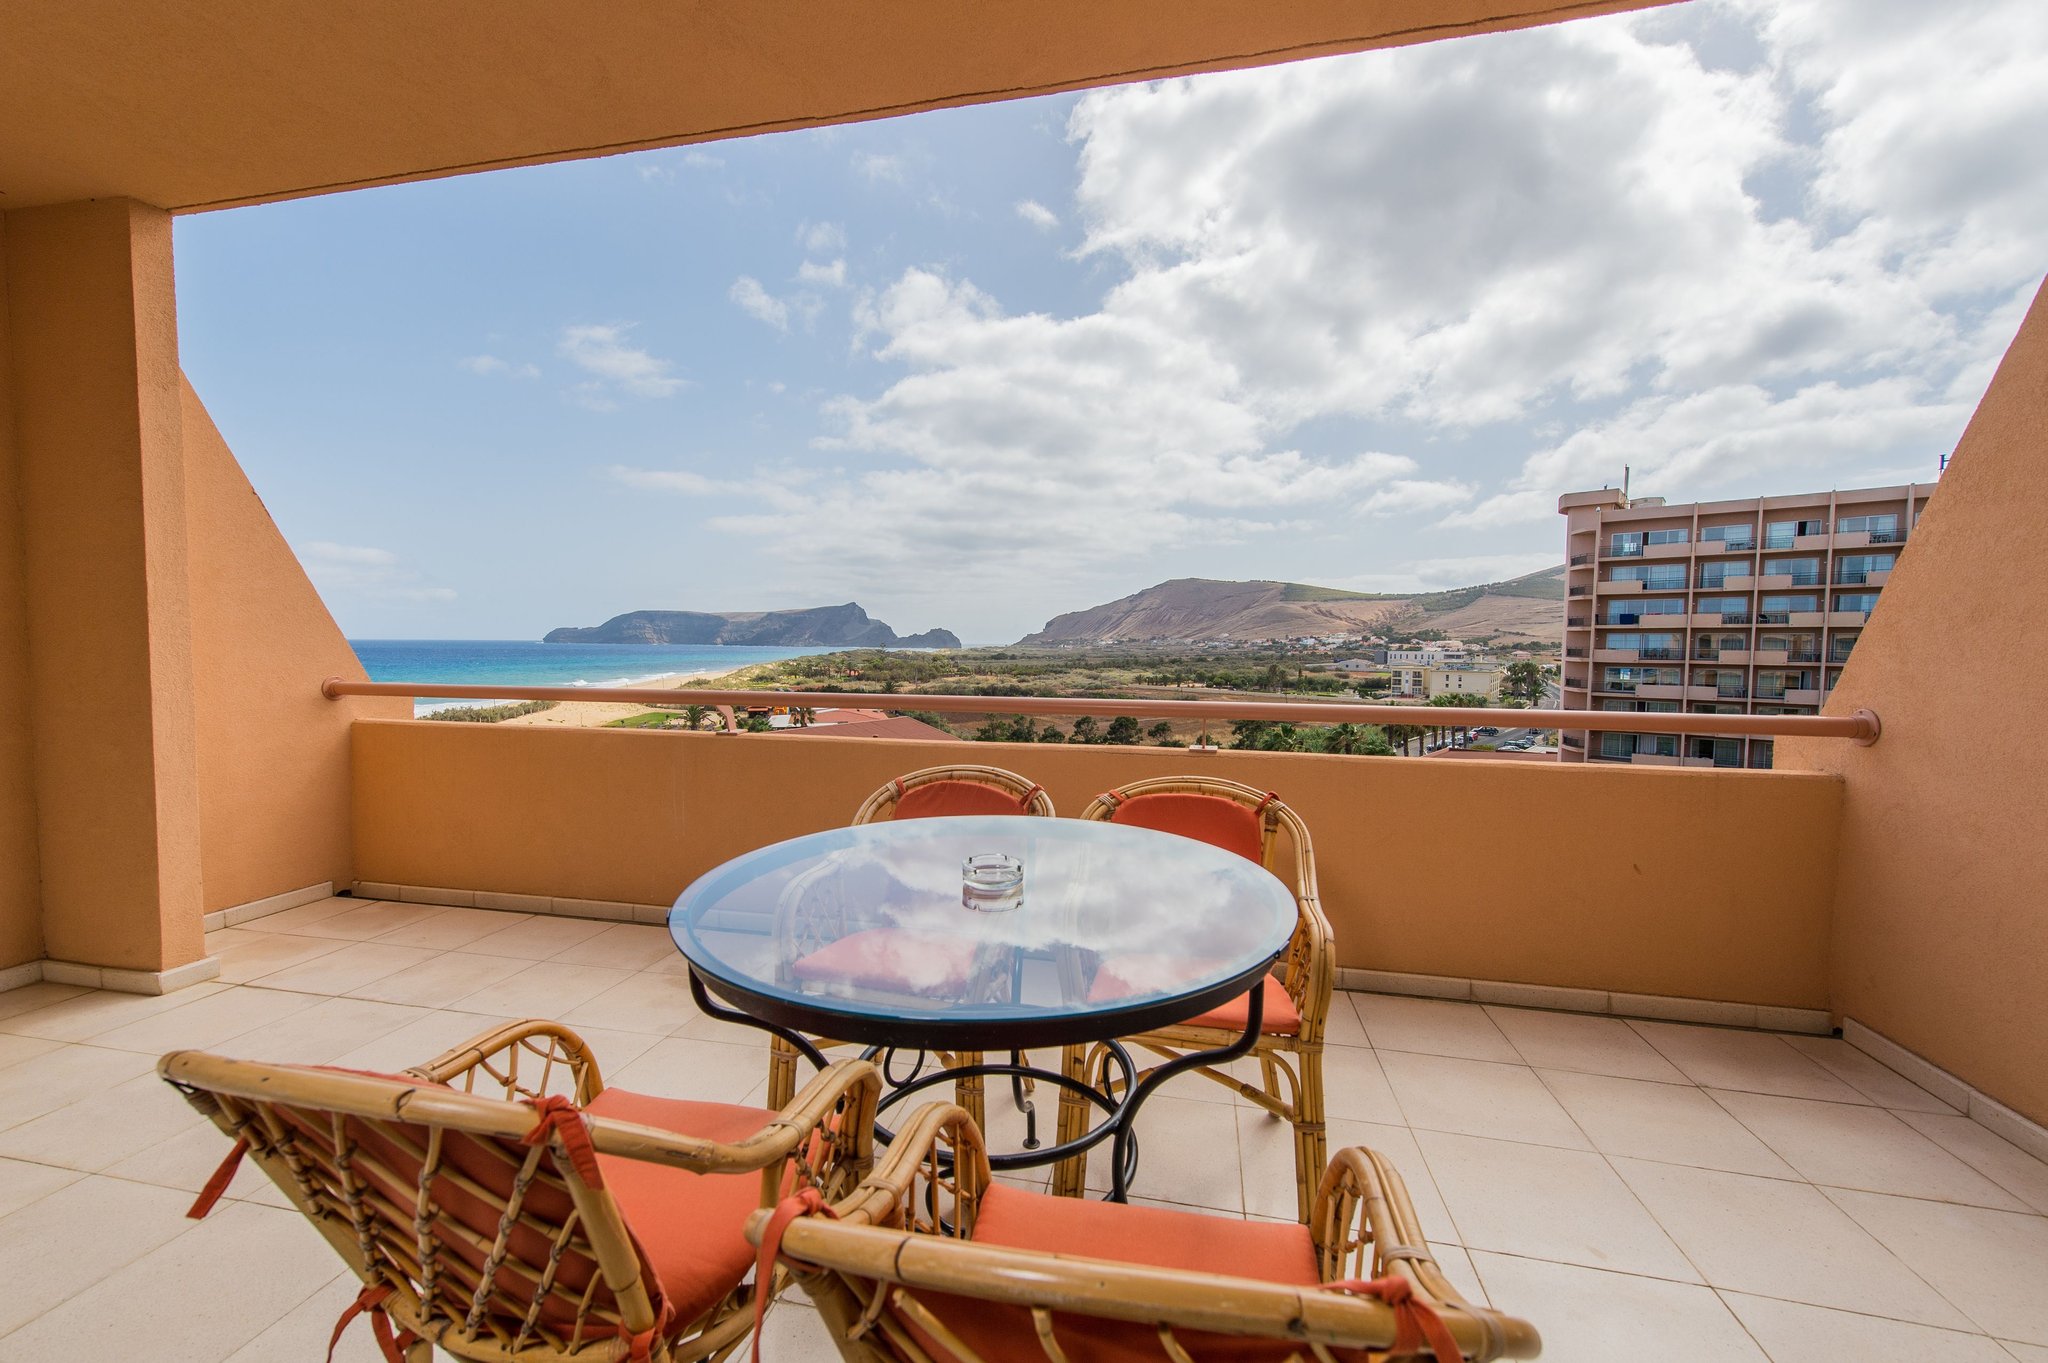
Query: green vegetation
{"x": 491, "y": 714}
{"x": 1522, "y": 682}
{"x": 1367, "y": 740}
{"x": 652, "y": 719}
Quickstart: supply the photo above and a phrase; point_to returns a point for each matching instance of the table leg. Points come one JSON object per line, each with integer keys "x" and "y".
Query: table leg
{"x": 797, "y": 1040}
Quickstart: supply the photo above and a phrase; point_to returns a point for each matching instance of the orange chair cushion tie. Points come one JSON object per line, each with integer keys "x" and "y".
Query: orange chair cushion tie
{"x": 371, "y": 1300}
{"x": 804, "y": 1202}
{"x": 218, "y": 1183}
{"x": 561, "y": 1117}
{"x": 1414, "y": 1319}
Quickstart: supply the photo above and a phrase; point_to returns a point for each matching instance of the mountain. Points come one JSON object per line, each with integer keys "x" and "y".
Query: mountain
{"x": 1198, "y": 610}
{"x": 832, "y": 626}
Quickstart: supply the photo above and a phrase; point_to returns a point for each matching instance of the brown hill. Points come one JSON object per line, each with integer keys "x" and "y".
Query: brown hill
{"x": 1199, "y": 610}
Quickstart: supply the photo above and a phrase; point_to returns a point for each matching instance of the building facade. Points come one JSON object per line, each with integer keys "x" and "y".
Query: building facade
{"x": 1742, "y": 607}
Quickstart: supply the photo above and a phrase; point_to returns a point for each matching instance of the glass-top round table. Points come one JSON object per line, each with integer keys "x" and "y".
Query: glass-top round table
{"x": 988, "y": 934}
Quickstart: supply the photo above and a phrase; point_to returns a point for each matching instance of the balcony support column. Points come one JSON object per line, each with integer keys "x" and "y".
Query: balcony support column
{"x": 91, "y": 373}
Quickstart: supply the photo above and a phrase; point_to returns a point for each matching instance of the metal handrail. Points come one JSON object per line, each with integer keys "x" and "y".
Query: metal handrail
{"x": 1863, "y": 725}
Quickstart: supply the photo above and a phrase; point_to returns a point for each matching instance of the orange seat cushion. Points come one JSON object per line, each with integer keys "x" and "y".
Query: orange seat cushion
{"x": 691, "y": 1227}
{"x": 894, "y": 960}
{"x": 1186, "y": 1242}
{"x": 1114, "y": 981}
{"x": 938, "y": 799}
{"x": 1206, "y": 818}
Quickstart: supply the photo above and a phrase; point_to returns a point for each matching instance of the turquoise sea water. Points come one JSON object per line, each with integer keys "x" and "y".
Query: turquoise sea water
{"x": 521, "y": 662}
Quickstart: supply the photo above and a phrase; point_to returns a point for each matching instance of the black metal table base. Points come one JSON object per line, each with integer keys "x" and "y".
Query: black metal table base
{"x": 1120, "y": 1113}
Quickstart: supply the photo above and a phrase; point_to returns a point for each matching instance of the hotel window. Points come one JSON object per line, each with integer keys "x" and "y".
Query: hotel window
{"x": 1632, "y": 612}
{"x": 1658, "y": 577}
{"x": 1778, "y": 610}
{"x": 1716, "y": 575}
{"x": 1804, "y": 572}
{"x": 1882, "y": 529}
{"x": 1781, "y": 534}
{"x": 1625, "y": 546}
{"x": 1856, "y": 601}
{"x": 1855, "y": 569}
{"x": 1664, "y": 537}
{"x": 1723, "y": 752}
{"x": 1730, "y": 608}
{"x": 1621, "y": 746}
{"x": 1760, "y": 753}
{"x": 1730, "y": 537}
{"x": 1623, "y": 640}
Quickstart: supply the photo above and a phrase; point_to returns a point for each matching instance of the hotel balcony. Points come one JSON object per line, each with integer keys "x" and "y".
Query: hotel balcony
{"x": 1839, "y": 619}
{"x": 1803, "y": 695}
{"x": 1619, "y": 586}
{"x": 1728, "y": 1066}
{"x": 1616, "y": 655}
{"x": 1732, "y": 657}
{"x": 1658, "y": 691}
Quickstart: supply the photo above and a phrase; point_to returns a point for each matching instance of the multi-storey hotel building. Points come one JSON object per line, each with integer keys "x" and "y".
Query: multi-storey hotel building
{"x": 1747, "y": 607}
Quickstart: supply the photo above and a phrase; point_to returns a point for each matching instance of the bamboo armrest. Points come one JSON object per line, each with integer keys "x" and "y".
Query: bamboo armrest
{"x": 495, "y": 1056}
{"x": 901, "y": 1189}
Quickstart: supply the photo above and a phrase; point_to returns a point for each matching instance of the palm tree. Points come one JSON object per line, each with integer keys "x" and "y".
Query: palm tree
{"x": 802, "y": 716}
{"x": 693, "y": 716}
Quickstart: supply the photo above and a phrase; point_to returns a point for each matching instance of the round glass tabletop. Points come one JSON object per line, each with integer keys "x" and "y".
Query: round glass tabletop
{"x": 983, "y": 933}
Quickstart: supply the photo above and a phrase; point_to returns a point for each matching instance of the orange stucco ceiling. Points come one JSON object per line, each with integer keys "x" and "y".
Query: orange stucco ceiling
{"x": 191, "y": 104}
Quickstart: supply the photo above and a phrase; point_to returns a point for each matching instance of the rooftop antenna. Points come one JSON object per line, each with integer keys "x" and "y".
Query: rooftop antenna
{"x": 1624, "y": 484}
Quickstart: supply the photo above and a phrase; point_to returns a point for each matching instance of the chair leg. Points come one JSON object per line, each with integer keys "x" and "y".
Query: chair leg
{"x": 1311, "y": 1140}
{"x": 1070, "y": 1176}
{"x": 782, "y": 1058}
{"x": 968, "y": 1090}
{"x": 1269, "y": 1075}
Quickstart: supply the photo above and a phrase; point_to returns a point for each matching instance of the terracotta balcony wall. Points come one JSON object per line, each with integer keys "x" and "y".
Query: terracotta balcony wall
{"x": 633, "y": 817}
{"x": 1613, "y": 586}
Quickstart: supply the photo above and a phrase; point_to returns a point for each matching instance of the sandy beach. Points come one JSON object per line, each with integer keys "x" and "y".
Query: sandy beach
{"x": 596, "y": 714}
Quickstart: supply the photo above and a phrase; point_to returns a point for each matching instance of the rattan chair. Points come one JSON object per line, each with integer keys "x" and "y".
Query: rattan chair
{"x": 928, "y": 1261}
{"x": 808, "y": 917}
{"x": 1297, "y": 998}
{"x": 501, "y": 1204}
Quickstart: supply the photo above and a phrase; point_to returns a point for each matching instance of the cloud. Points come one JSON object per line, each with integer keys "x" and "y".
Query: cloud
{"x": 1415, "y": 494}
{"x": 366, "y": 571}
{"x": 821, "y": 238}
{"x": 832, "y": 276}
{"x": 486, "y": 366}
{"x": 698, "y": 159}
{"x": 757, "y": 302}
{"x": 881, "y": 168}
{"x": 675, "y": 480}
{"x": 1037, "y": 214}
{"x": 616, "y": 367}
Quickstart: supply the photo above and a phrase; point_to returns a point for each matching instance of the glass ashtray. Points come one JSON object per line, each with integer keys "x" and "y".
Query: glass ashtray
{"x": 992, "y": 882}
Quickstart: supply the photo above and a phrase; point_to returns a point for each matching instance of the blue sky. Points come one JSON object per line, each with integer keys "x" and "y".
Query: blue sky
{"x": 1355, "y": 321}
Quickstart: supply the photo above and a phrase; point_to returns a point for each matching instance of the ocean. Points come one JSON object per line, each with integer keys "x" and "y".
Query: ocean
{"x": 521, "y": 662}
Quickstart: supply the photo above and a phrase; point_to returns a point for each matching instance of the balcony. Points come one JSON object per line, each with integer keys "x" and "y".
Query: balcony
{"x": 1843, "y": 619}
{"x": 1803, "y": 695}
{"x": 1581, "y": 560}
{"x": 1659, "y": 691}
{"x": 1732, "y": 582}
{"x": 1574, "y": 652}
{"x": 1716, "y": 692}
{"x": 1616, "y": 655}
{"x": 1732, "y": 657}
{"x": 1623, "y": 551}
{"x": 1618, "y": 586}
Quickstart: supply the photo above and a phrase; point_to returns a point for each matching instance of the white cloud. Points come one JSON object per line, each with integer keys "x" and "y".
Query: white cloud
{"x": 757, "y": 302}
{"x": 1415, "y": 494}
{"x": 1037, "y": 214}
{"x": 832, "y": 276}
{"x": 367, "y": 572}
{"x": 698, "y": 159}
{"x": 821, "y": 238}
{"x": 880, "y": 168}
{"x": 485, "y": 366}
{"x": 675, "y": 480}
{"x": 616, "y": 367}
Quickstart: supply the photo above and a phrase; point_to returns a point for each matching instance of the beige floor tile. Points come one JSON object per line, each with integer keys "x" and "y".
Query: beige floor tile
{"x": 1675, "y": 1123}
{"x": 109, "y": 1126}
{"x": 1862, "y": 1147}
{"x": 440, "y": 980}
{"x": 537, "y": 939}
{"x": 1432, "y": 1027}
{"x": 1589, "y": 1315}
{"x": 708, "y": 1071}
{"x": 1547, "y": 1203}
{"x": 269, "y": 952}
{"x": 298, "y": 918}
{"x": 369, "y": 920}
{"x": 1457, "y": 1266}
{"x": 615, "y": 1048}
{"x": 1479, "y": 1098}
{"x": 2026, "y": 1353}
{"x": 641, "y": 1002}
{"x": 1187, "y": 1154}
{"x": 415, "y": 1042}
{"x": 1878, "y": 1082}
{"x": 543, "y": 989}
{"x": 220, "y": 939}
{"x": 330, "y": 1028}
{"x": 300, "y": 1335}
{"x": 206, "y": 1023}
{"x": 22, "y": 1183}
{"x": 623, "y": 946}
{"x": 1792, "y": 1332}
{"x": 1994, "y": 1265}
{"x": 186, "y": 1160}
{"x": 61, "y": 1078}
{"x": 1266, "y": 1147}
{"x": 1991, "y": 1155}
{"x": 60, "y": 1245}
{"x": 15, "y": 1049}
{"x": 1774, "y": 1238}
{"x": 1589, "y": 1045}
{"x": 1342, "y": 1027}
{"x": 30, "y": 997}
{"x": 101, "y": 1010}
{"x": 352, "y": 966}
{"x": 1355, "y": 1087}
{"x": 1753, "y": 1062}
{"x": 248, "y": 1264}
{"x": 794, "y": 1333}
{"x": 452, "y": 929}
